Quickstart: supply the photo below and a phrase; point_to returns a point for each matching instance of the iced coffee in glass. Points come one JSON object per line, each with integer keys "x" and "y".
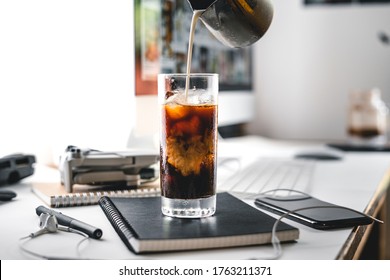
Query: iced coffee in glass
{"x": 188, "y": 144}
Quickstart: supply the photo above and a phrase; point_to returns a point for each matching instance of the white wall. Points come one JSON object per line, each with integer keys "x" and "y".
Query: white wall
{"x": 309, "y": 61}
{"x": 65, "y": 75}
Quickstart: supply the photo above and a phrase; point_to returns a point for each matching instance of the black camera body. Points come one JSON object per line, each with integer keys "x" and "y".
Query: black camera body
{"x": 15, "y": 167}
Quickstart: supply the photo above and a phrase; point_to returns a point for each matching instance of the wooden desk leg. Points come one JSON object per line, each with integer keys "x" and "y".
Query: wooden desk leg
{"x": 384, "y": 242}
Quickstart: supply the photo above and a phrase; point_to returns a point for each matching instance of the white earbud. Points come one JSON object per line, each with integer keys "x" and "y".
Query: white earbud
{"x": 47, "y": 223}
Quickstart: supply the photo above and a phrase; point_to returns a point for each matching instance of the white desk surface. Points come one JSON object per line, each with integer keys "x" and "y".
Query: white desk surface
{"x": 351, "y": 182}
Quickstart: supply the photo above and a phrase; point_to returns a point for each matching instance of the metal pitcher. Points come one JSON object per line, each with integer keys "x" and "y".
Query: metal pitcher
{"x": 235, "y": 23}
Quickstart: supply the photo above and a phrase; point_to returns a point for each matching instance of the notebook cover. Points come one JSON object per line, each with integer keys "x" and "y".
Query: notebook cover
{"x": 235, "y": 223}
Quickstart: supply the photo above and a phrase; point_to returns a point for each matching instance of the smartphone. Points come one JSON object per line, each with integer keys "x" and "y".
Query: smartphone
{"x": 331, "y": 216}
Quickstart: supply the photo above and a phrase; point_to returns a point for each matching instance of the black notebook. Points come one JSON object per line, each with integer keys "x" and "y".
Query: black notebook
{"x": 143, "y": 228}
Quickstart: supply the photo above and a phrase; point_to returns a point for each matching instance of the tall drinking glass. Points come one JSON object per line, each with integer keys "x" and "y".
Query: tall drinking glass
{"x": 188, "y": 144}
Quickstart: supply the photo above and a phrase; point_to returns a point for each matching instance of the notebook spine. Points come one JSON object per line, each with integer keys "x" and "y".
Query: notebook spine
{"x": 91, "y": 198}
{"x": 117, "y": 221}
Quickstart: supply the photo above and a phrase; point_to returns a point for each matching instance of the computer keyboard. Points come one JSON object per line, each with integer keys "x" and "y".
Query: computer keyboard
{"x": 266, "y": 174}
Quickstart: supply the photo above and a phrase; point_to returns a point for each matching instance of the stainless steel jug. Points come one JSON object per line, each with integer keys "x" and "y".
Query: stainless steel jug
{"x": 235, "y": 23}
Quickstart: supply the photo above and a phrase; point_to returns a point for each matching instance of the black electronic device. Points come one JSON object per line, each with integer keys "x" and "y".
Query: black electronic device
{"x": 321, "y": 153}
{"x": 15, "y": 167}
{"x": 346, "y": 147}
{"x": 319, "y": 214}
{"x": 6, "y": 195}
{"x": 317, "y": 156}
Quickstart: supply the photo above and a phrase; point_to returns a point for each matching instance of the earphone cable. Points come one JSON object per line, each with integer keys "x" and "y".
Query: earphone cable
{"x": 41, "y": 256}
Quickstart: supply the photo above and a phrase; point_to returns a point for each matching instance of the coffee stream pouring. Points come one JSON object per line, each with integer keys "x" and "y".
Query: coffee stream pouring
{"x": 235, "y": 23}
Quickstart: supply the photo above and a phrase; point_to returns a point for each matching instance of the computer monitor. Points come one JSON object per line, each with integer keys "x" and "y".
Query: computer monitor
{"x": 161, "y": 31}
